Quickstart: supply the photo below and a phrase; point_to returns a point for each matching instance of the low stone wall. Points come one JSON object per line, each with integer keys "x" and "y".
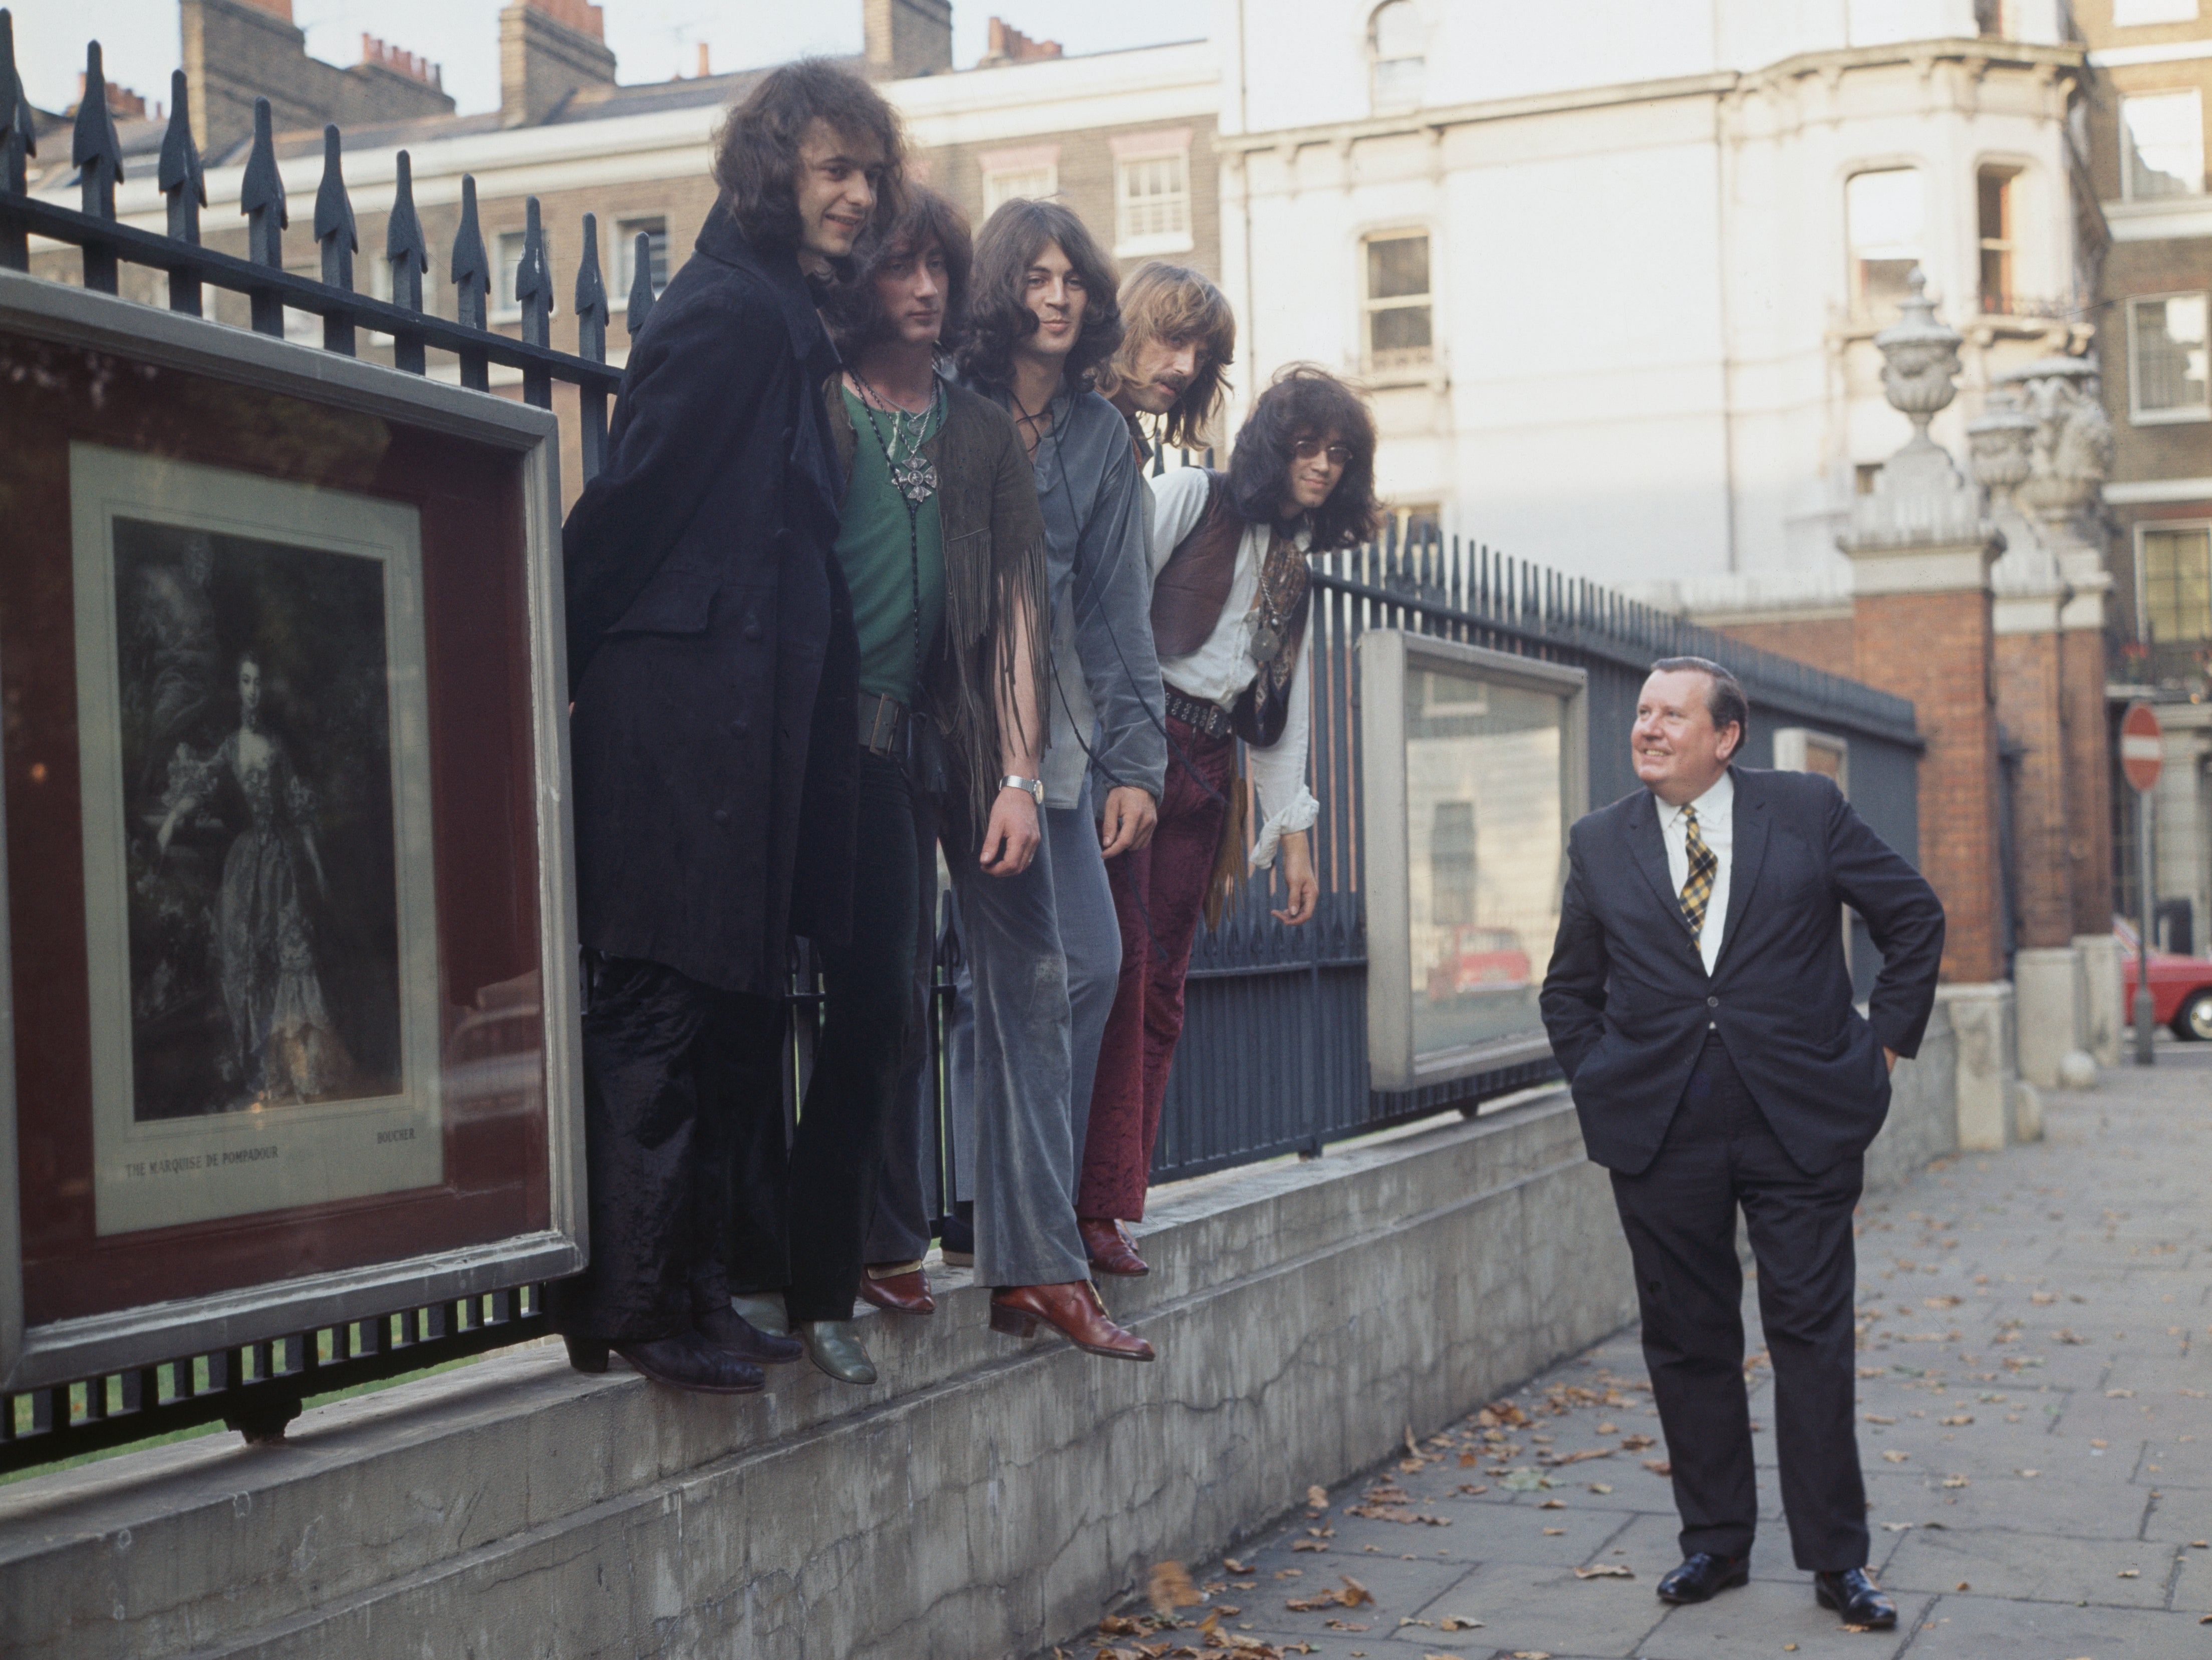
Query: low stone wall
{"x": 986, "y": 1499}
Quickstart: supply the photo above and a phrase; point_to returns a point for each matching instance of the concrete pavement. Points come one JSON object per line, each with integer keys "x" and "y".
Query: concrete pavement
{"x": 2036, "y": 1405}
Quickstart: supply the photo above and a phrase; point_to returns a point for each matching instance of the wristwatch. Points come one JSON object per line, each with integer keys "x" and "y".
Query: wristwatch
{"x": 1032, "y": 788}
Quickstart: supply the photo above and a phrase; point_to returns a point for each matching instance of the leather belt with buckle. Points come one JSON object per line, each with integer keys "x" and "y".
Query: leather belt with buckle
{"x": 1211, "y": 719}
{"x": 884, "y": 723}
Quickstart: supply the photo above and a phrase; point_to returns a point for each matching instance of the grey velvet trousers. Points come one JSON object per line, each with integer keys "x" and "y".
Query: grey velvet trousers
{"x": 1042, "y": 954}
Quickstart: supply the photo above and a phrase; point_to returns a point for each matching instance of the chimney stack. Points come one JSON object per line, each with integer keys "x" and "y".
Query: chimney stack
{"x": 903, "y": 39}
{"x": 549, "y": 50}
{"x": 703, "y": 71}
{"x": 1008, "y": 45}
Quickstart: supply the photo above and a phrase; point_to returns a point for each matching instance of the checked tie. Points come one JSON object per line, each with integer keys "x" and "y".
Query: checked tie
{"x": 1704, "y": 866}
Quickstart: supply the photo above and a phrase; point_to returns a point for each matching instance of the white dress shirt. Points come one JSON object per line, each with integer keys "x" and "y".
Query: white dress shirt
{"x": 1716, "y": 824}
{"x": 1220, "y": 669}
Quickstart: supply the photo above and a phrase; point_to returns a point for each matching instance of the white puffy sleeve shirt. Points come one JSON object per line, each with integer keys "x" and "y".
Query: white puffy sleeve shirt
{"x": 1218, "y": 671}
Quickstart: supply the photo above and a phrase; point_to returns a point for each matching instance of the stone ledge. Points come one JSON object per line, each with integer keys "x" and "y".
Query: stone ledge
{"x": 986, "y": 1499}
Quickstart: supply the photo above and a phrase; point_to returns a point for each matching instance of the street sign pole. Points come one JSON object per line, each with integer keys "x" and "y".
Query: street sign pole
{"x": 2145, "y": 1005}
{"x": 2142, "y": 758}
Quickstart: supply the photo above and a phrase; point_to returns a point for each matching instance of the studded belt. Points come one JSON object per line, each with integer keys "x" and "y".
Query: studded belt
{"x": 1211, "y": 719}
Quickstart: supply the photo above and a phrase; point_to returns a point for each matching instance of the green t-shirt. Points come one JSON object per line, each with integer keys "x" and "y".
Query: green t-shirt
{"x": 879, "y": 555}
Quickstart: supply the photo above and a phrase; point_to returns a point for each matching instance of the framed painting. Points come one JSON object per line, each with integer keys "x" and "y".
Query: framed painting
{"x": 289, "y": 936}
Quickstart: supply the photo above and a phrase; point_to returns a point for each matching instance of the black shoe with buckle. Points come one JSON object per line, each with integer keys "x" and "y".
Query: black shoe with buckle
{"x": 1703, "y": 1576}
{"x": 1853, "y": 1594}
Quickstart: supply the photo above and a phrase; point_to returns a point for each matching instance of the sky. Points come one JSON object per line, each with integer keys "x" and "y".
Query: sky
{"x": 652, "y": 39}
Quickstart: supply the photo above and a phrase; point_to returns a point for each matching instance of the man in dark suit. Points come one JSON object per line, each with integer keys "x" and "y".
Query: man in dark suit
{"x": 1699, "y": 999}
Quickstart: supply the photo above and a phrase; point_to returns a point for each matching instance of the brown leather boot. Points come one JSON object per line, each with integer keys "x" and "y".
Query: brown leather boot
{"x": 1110, "y": 1249}
{"x": 1073, "y": 1310}
{"x": 900, "y": 1287}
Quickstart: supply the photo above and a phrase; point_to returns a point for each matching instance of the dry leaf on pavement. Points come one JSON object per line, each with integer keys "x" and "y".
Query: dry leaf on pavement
{"x": 1659, "y": 1466}
{"x": 1169, "y": 1587}
{"x": 1457, "y": 1622}
{"x": 1235, "y": 1567}
{"x": 1317, "y": 1498}
{"x": 1605, "y": 1571}
{"x": 1114, "y": 1625}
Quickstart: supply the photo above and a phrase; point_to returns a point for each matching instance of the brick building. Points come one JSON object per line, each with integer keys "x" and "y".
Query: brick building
{"x": 2148, "y": 159}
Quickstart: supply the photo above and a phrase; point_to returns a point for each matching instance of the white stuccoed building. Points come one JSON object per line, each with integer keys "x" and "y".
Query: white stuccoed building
{"x": 1614, "y": 267}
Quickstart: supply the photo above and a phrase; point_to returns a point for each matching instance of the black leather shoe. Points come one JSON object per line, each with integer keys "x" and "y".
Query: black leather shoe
{"x": 1704, "y": 1576}
{"x": 1853, "y": 1594}
{"x": 732, "y": 1333}
{"x": 689, "y": 1361}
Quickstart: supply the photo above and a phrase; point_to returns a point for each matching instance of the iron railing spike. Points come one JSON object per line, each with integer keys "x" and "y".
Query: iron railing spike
{"x": 340, "y": 238}
{"x": 19, "y": 142}
{"x": 409, "y": 256}
{"x": 184, "y": 181}
{"x": 641, "y": 296}
{"x": 471, "y": 272}
{"x": 261, "y": 199}
{"x": 472, "y": 279}
{"x": 533, "y": 296}
{"x": 590, "y": 297}
{"x": 97, "y": 154}
{"x": 533, "y": 281}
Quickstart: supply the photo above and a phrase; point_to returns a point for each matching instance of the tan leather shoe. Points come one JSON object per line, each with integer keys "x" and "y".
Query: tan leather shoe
{"x": 1073, "y": 1310}
{"x": 900, "y": 1287}
{"x": 1110, "y": 1247}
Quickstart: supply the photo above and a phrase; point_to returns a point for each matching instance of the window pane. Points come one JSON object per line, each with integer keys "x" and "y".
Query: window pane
{"x": 1155, "y": 196}
{"x": 2178, "y": 584}
{"x": 1397, "y": 30}
{"x": 510, "y": 264}
{"x": 1029, "y": 184}
{"x": 2170, "y": 352}
{"x": 1995, "y": 188}
{"x": 2163, "y": 134}
{"x": 1397, "y": 268}
{"x": 1884, "y": 211}
{"x": 1399, "y": 329}
{"x": 626, "y": 234}
{"x": 1996, "y": 281}
{"x": 2128, "y": 13}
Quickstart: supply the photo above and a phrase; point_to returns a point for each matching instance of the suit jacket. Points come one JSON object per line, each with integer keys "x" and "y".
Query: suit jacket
{"x": 1628, "y": 1000}
{"x": 711, "y": 649}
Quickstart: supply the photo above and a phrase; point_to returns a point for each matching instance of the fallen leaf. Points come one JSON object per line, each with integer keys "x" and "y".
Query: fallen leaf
{"x": 1963, "y": 1585}
{"x": 1235, "y": 1567}
{"x": 2129, "y": 1573}
{"x": 1467, "y": 1461}
{"x": 1659, "y": 1466}
{"x": 1114, "y": 1625}
{"x": 1896, "y": 1526}
{"x": 1553, "y": 1532}
{"x": 1168, "y": 1586}
{"x": 1605, "y": 1571}
{"x": 2200, "y": 1544}
{"x": 2043, "y": 1297}
{"x": 1790, "y": 1648}
{"x": 2030, "y": 1474}
{"x": 1896, "y": 1457}
{"x": 1309, "y": 1544}
{"x": 1636, "y": 1442}
{"x": 1553, "y": 1503}
{"x": 1469, "y": 1488}
{"x": 1876, "y": 1417}
{"x": 1532, "y": 1654}
{"x": 1957, "y": 1419}
{"x": 1458, "y": 1622}
{"x": 1412, "y": 1452}
{"x": 1317, "y": 1498}
{"x": 1955, "y": 1481}
{"x": 1601, "y": 1486}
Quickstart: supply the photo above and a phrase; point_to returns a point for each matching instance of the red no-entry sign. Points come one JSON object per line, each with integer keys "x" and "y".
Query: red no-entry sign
{"x": 2143, "y": 747}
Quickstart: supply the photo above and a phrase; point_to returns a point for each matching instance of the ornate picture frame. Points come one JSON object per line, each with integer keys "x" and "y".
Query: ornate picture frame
{"x": 287, "y": 905}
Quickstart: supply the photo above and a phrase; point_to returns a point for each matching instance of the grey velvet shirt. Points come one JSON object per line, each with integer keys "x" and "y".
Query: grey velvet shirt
{"x": 1106, "y": 677}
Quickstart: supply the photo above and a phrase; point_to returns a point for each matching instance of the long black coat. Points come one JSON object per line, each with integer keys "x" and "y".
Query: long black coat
{"x": 1627, "y": 1000}
{"x": 711, "y": 650}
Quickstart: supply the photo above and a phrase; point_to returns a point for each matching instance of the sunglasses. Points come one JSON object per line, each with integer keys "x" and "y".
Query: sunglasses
{"x": 1306, "y": 448}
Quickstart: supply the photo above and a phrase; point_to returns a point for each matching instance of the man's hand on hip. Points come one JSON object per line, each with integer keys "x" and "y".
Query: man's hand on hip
{"x": 1010, "y": 839}
{"x": 1890, "y": 1056}
{"x": 1131, "y": 815}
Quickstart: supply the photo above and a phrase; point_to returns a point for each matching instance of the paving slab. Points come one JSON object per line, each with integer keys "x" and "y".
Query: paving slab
{"x": 2035, "y": 1348}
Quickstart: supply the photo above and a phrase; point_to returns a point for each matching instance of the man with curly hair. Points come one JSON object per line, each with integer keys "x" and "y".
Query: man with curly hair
{"x": 1042, "y": 949}
{"x": 714, "y": 669}
{"x": 1230, "y": 613}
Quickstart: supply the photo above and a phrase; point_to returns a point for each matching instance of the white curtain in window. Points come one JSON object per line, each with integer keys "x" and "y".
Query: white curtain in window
{"x": 1885, "y": 214}
{"x": 2163, "y": 134}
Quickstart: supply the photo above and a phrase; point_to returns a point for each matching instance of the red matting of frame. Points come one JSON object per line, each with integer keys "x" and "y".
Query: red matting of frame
{"x": 476, "y": 628}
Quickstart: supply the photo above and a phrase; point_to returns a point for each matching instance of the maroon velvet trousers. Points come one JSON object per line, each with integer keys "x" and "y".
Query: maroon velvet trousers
{"x": 1159, "y": 892}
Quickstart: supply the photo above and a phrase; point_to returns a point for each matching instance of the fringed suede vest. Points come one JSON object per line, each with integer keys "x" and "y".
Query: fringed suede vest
{"x": 1193, "y": 587}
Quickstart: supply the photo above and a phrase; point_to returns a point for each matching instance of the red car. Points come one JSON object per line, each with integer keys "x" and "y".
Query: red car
{"x": 1478, "y": 960}
{"x": 2180, "y": 986}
